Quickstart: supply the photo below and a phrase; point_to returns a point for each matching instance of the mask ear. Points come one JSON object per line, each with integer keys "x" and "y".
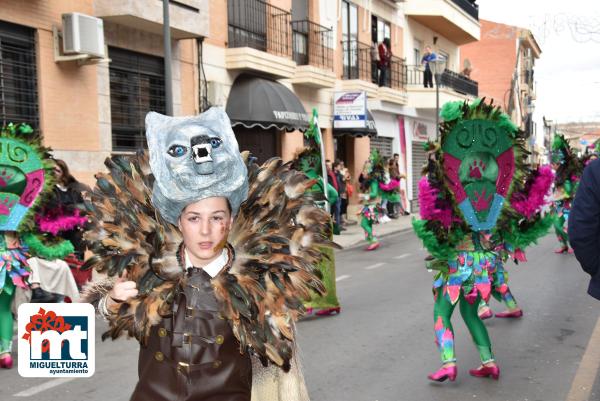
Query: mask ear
{"x": 218, "y": 121}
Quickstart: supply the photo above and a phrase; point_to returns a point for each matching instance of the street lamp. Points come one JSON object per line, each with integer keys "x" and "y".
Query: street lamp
{"x": 439, "y": 65}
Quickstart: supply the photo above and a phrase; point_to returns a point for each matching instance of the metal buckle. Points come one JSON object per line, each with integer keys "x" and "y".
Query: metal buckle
{"x": 183, "y": 367}
{"x": 187, "y": 338}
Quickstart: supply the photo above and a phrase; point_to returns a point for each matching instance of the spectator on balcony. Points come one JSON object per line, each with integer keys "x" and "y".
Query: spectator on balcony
{"x": 428, "y": 57}
{"x": 385, "y": 59}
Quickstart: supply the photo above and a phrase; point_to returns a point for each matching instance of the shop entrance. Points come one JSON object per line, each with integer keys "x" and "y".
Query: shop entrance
{"x": 262, "y": 144}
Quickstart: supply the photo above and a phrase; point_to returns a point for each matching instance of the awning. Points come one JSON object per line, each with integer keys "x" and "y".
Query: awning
{"x": 369, "y": 130}
{"x": 260, "y": 102}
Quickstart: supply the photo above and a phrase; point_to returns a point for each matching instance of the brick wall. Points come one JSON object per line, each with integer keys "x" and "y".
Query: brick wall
{"x": 493, "y": 60}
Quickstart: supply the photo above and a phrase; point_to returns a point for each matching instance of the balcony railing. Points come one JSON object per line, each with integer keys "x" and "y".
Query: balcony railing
{"x": 259, "y": 25}
{"x": 360, "y": 62}
{"x": 313, "y": 44}
{"x": 450, "y": 79}
{"x": 397, "y": 74}
{"x": 468, "y": 6}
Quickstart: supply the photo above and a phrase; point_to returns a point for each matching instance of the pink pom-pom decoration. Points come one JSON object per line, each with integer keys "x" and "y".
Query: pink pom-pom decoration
{"x": 429, "y": 207}
{"x": 531, "y": 201}
{"x": 390, "y": 186}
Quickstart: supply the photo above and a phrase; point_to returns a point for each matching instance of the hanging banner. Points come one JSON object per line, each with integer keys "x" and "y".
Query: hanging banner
{"x": 349, "y": 110}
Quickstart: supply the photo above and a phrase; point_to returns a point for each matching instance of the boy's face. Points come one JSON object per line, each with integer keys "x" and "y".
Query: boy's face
{"x": 205, "y": 226}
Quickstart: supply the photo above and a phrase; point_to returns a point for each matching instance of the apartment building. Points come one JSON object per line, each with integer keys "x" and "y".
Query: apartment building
{"x": 268, "y": 63}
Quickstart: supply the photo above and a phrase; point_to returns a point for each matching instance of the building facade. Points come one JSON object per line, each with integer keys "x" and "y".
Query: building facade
{"x": 268, "y": 63}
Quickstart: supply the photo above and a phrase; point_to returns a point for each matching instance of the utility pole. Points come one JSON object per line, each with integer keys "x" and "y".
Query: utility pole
{"x": 167, "y": 49}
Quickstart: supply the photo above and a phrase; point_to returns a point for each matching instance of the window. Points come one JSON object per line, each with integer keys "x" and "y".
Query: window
{"x": 418, "y": 45}
{"x": 350, "y": 38}
{"x": 444, "y": 56}
{"x": 18, "y": 75}
{"x": 137, "y": 86}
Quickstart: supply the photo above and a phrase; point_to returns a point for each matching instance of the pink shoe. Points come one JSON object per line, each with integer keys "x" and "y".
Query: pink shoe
{"x": 561, "y": 250}
{"x": 373, "y": 246}
{"x": 486, "y": 315}
{"x": 329, "y": 311}
{"x": 443, "y": 373}
{"x": 571, "y": 251}
{"x": 6, "y": 362}
{"x": 486, "y": 371}
{"x": 513, "y": 314}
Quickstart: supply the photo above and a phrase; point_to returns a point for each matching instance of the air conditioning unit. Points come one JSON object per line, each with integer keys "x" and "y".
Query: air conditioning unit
{"x": 83, "y": 34}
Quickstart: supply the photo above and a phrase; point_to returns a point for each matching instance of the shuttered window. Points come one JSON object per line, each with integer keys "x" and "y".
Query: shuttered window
{"x": 18, "y": 75}
{"x": 137, "y": 86}
{"x": 383, "y": 145}
{"x": 419, "y": 157}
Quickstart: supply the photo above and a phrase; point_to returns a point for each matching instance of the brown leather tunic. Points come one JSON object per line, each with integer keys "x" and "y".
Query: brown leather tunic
{"x": 193, "y": 355}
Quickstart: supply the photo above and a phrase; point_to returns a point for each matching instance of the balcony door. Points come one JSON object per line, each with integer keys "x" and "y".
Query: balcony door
{"x": 350, "y": 39}
{"x": 247, "y": 24}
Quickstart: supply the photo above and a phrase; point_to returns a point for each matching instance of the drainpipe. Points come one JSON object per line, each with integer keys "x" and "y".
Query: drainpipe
{"x": 167, "y": 49}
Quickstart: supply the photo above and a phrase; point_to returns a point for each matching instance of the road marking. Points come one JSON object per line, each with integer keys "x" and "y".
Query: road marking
{"x": 44, "y": 386}
{"x": 581, "y": 388}
{"x": 375, "y": 266}
{"x": 342, "y": 277}
{"x": 404, "y": 255}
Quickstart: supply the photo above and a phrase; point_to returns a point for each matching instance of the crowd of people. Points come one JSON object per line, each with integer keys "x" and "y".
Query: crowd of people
{"x": 340, "y": 178}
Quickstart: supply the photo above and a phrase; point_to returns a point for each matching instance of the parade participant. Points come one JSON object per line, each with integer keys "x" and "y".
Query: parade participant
{"x": 584, "y": 226}
{"x": 478, "y": 203}
{"x": 214, "y": 257}
{"x": 63, "y": 217}
{"x": 371, "y": 211}
{"x": 25, "y": 172}
{"x": 568, "y": 169}
{"x": 308, "y": 160}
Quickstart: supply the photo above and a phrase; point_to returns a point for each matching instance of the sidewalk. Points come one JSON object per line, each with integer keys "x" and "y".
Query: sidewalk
{"x": 354, "y": 234}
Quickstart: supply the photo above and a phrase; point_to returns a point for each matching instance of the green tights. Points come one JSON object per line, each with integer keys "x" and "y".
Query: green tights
{"x": 444, "y": 333}
{"x": 559, "y": 228}
{"x": 6, "y": 322}
{"x": 507, "y": 298}
{"x": 367, "y": 226}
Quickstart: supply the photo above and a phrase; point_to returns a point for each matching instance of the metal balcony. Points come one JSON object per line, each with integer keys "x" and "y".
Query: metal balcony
{"x": 312, "y": 44}
{"x": 259, "y": 25}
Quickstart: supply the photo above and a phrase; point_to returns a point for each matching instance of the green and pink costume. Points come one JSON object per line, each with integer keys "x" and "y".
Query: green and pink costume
{"x": 479, "y": 205}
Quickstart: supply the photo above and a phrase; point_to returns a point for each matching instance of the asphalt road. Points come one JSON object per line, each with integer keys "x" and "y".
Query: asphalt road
{"x": 381, "y": 346}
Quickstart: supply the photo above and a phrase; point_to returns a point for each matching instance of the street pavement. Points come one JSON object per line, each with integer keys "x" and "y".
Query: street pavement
{"x": 380, "y": 348}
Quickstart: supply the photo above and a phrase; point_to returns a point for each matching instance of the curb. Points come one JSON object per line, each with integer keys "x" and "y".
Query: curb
{"x": 362, "y": 243}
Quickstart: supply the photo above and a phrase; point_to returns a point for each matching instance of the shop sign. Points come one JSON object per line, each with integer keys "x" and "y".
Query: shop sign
{"x": 349, "y": 110}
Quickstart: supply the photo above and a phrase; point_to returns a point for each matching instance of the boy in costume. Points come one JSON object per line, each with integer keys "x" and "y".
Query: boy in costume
{"x": 214, "y": 257}
{"x": 477, "y": 205}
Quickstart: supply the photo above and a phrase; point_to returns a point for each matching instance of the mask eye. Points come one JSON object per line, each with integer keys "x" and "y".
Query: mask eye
{"x": 215, "y": 142}
{"x": 177, "y": 150}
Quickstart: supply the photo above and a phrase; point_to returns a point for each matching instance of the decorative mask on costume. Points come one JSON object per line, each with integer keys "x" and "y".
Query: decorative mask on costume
{"x": 193, "y": 158}
{"x": 479, "y": 161}
{"x": 22, "y": 174}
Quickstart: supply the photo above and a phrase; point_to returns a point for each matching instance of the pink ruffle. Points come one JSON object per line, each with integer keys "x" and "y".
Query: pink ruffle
{"x": 391, "y": 186}
{"x": 61, "y": 223}
{"x": 529, "y": 203}
{"x": 429, "y": 206}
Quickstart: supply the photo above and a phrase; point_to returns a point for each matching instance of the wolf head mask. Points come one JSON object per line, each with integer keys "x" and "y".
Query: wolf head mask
{"x": 193, "y": 158}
